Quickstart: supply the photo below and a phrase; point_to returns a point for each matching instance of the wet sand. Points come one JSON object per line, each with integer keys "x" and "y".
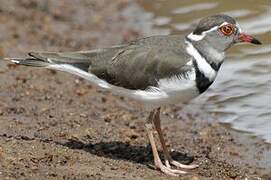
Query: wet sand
{"x": 56, "y": 126}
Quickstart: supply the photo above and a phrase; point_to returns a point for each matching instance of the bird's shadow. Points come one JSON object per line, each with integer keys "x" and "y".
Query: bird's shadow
{"x": 124, "y": 151}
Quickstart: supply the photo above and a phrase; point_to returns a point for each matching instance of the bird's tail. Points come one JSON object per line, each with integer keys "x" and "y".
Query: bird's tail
{"x": 28, "y": 62}
{"x": 45, "y": 59}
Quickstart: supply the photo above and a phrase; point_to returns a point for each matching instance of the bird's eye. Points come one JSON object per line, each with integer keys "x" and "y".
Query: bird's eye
{"x": 227, "y": 30}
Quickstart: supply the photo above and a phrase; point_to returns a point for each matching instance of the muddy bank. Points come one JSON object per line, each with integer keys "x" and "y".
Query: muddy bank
{"x": 57, "y": 126}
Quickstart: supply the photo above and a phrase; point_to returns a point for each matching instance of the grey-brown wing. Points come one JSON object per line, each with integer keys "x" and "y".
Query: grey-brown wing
{"x": 138, "y": 67}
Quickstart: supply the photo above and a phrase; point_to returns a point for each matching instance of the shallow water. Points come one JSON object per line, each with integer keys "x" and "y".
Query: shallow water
{"x": 241, "y": 95}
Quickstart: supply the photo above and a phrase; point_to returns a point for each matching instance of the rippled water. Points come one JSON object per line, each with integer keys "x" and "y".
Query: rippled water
{"x": 241, "y": 95}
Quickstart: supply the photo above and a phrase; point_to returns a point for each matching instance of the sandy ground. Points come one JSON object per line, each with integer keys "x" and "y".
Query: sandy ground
{"x": 56, "y": 126}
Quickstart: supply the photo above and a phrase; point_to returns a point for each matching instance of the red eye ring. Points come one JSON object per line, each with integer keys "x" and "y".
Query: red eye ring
{"x": 227, "y": 30}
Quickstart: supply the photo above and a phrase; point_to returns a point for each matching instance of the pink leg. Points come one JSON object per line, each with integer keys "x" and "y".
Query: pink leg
{"x": 169, "y": 160}
{"x": 157, "y": 161}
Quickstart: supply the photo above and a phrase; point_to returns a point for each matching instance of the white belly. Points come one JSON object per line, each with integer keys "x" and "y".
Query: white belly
{"x": 172, "y": 90}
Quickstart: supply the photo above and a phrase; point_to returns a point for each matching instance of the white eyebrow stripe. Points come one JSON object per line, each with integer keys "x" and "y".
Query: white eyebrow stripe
{"x": 196, "y": 37}
{"x": 223, "y": 24}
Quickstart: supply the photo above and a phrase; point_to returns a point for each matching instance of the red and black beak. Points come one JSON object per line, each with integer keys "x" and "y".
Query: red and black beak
{"x": 247, "y": 38}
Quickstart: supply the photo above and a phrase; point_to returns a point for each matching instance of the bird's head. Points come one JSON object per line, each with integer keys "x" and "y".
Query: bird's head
{"x": 221, "y": 32}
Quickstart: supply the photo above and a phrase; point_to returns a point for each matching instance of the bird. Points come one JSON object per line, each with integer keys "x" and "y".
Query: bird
{"x": 156, "y": 71}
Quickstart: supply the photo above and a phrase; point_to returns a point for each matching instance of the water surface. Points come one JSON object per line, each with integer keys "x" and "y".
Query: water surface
{"x": 241, "y": 95}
